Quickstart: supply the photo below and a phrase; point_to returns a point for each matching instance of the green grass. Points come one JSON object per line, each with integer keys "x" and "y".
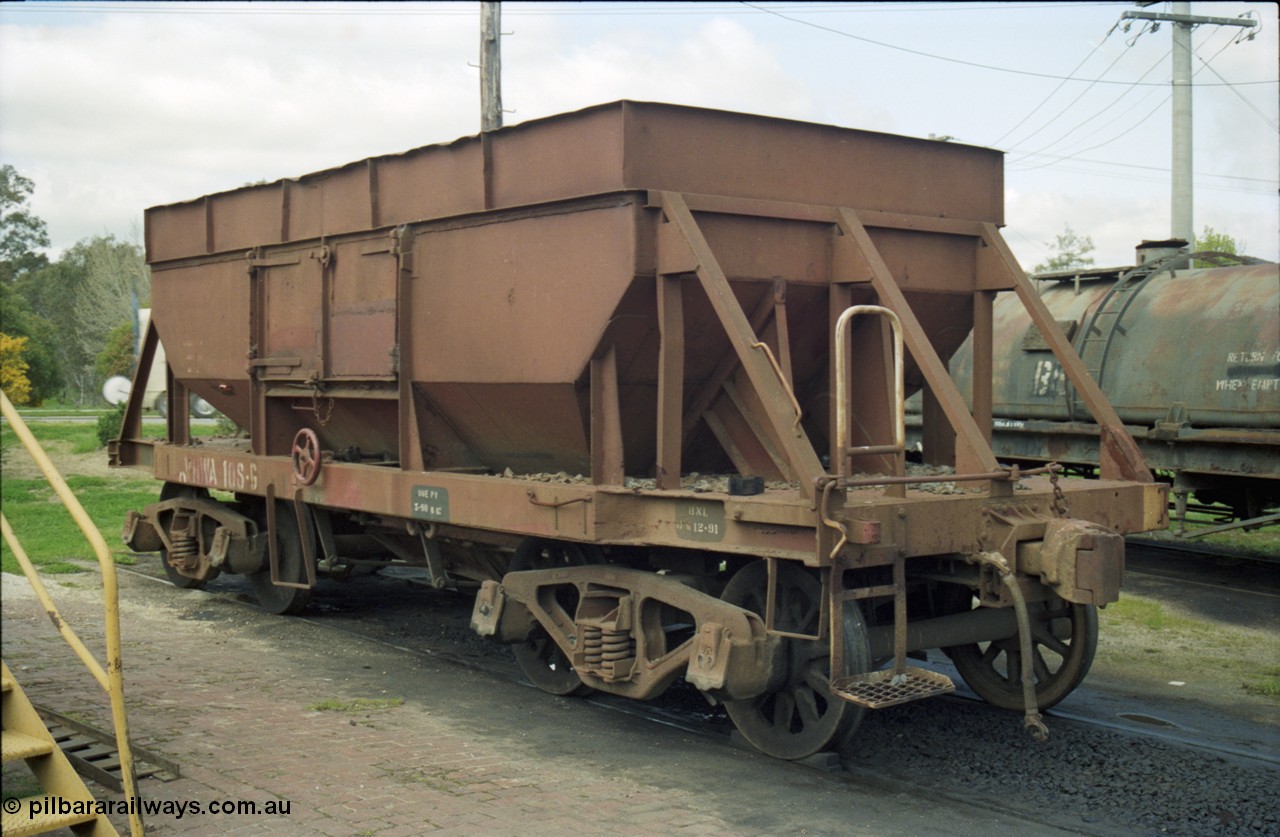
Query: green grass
{"x": 355, "y": 704}
{"x": 1265, "y": 683}
{"x": 1144, "y": 613}
{"x": 46, "y": 530}
{"x": 1264, "y": 542}
{"x": 43, "y": 526}
{"x": 1145, "y": 638}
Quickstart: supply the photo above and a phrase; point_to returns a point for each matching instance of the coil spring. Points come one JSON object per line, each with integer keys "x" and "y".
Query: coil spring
{"x": 184, "y": 549}
{"x": 184, "y": 546}
{"x": 592, "y": 645}
{"x": 617, "y": 646}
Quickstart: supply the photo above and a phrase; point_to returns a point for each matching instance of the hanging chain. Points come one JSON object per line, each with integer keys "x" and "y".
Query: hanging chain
{"x": 322, "y": 416}
{"x": 1060, "y": 507}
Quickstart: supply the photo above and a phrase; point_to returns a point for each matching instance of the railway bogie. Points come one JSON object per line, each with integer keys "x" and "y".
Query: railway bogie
{"x": 514, "y": 360}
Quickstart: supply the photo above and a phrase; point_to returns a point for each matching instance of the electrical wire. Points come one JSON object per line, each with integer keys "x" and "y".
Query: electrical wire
{"x": 960, "y": 61}
{"x": 1123, "y": 94}
{"x": 392, "y": 8}
{"x": 1052, "y": 93}
{"x": 1261, "y": 115}
{"x": 1014, "y": 163}
{"x": 1081, "y": 95}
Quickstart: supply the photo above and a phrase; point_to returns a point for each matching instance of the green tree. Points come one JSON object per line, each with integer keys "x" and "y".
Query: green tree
{"x": 22, "y": 234}
{"x": 117, "y": 357}
{"x": 44, "y": 371}
{"x": 1070, "y": 250}
{"x": 1212, "y": 241}
{"x": 46, "y": 293}
{"x": 116, "y": 282}
{"x": 13, "y": 369}
{"x": 89, "y": 291}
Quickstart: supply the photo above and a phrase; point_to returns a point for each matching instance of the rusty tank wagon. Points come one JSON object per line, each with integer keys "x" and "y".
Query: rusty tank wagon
{"x": 1186, "y": 348}
{"x": 635, "y": 376}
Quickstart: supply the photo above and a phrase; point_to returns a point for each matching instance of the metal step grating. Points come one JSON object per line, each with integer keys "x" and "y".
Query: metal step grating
{"x": 878, "y": 689}
{"x": 92, "y": 752}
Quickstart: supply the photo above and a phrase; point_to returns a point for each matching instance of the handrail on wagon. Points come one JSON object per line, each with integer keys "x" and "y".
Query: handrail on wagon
{"x": 898, "y": 447}
{"x": 112, "y": 678}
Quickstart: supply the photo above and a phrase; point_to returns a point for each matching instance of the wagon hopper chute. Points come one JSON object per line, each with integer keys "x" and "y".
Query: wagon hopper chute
{"x": 635, "y": 376}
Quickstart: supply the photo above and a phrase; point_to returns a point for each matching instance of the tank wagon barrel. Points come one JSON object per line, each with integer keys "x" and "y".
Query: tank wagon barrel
{"x": 1186, "y": 348}
{"x": 634, "y": 375}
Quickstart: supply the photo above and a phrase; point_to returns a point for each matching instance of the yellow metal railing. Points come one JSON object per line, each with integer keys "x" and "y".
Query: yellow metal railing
{"x": 112, "y": 678}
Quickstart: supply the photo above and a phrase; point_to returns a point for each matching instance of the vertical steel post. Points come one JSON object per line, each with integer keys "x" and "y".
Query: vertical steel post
{"x": 670, "y": 381}
{"x": 1181, "y": 198}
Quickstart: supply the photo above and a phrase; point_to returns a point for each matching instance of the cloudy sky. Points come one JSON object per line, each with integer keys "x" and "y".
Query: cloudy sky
{"x": 113, "y": 107}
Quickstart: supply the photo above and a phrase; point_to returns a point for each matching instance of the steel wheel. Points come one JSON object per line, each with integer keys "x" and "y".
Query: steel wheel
{"x": 1064, "y": 637}
{"x": 798, "y": 717}
{"x": 540, "y": 658}
{"x": 172, "y": 491}
{"x": 285, "y": 600}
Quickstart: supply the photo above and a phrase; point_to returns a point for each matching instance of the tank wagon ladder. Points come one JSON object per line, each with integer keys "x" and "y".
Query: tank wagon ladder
{"x": 1099, "y": 333}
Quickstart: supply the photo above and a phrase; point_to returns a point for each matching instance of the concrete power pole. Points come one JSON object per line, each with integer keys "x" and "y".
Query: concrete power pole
{"x": 1182, "y": 195}
{"x": 490, "y": 65}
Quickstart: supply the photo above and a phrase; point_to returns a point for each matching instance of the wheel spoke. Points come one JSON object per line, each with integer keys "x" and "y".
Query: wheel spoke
{"x": 1039, "y": 666}
{"x": 1056, "y": 645}
{"x": 989, "y": 656}
{"x": 1063, "y": 639}
{"x": 800, "y": 717}
{"x": 1013, "y": 668}
{"x": 783, "y": 709}
{"x": 807, "y": 707}
{"x": 815, "y": 678}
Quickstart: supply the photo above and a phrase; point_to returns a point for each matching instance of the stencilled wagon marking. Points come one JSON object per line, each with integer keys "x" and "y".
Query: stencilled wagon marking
{"x": 430, "y": 502}
{"x": 700, "y": 521}
{"x": 218, "y": 473}
{"x": 1254, "y": 371}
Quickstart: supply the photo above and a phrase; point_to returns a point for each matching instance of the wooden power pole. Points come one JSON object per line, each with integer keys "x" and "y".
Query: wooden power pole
{"x": 490, "y": 65}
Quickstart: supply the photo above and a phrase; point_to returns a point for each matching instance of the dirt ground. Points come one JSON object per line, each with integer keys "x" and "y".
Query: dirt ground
{"x": 237, "y": 698}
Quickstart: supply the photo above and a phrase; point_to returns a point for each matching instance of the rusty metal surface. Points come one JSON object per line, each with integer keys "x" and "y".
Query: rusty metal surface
{"x": 607, "y": 148}
{"x": 1206, "y": 339}
{"x": 540, "y": 340}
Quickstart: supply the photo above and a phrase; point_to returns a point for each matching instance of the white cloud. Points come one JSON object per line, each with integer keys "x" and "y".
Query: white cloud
{"x": 109, "y": 114}
{"x": 719, "y": 64}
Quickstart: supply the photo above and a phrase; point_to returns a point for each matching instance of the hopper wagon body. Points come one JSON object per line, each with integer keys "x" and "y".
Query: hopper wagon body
{"x": 635, "y": 376}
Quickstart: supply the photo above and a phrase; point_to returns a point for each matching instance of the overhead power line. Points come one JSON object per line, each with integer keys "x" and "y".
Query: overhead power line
{"x": 962, "y": 62}
{"x": 1059, "y": 158}
{"x": 1261, "y": 115}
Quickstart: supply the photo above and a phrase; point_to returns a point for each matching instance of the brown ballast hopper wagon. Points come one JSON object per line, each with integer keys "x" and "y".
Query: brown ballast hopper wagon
{"x": 635, "y": 375}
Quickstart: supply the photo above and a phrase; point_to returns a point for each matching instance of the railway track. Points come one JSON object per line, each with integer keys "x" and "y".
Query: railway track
{"x": 1195, "y": 549}
{"x": 1204, "y": 566}
{"x": 679, "y": 707}
{"x": 915, "y": 748}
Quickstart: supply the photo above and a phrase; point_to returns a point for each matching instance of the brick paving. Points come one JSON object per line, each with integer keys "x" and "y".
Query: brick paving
{"x": 231, "y": 695}
{"x": 239, "y": 717}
